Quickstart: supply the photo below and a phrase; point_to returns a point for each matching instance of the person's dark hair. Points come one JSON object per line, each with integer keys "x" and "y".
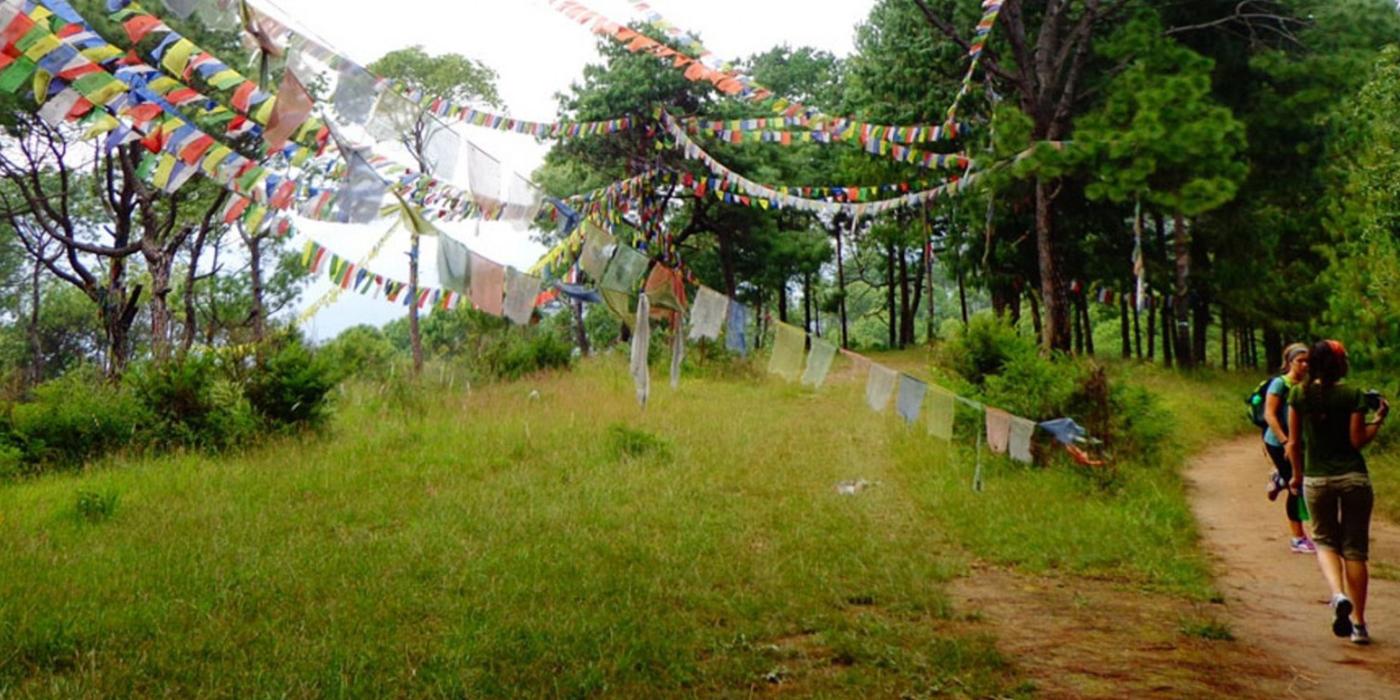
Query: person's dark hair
{"x": 1327, "y": 362}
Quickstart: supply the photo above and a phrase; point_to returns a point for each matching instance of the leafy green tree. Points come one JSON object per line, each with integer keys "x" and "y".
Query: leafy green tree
{"x": 451, "y": 77}
{"x": 1364, "y": 219}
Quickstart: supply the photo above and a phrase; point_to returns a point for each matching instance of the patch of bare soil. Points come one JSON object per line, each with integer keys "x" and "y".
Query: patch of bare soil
{"x": 1078, "y": 638}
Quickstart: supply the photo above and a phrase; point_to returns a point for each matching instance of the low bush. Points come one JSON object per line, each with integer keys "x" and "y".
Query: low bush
{"x": 75, "y": 418}
{"x": 192, "y": 403}
{"x": 291, "y": 385}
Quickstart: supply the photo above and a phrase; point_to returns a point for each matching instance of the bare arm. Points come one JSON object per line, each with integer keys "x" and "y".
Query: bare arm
{"x": 1362, "y": 433}
{"x": 1295, "y": 451}
{"x": 1272, "y": 403}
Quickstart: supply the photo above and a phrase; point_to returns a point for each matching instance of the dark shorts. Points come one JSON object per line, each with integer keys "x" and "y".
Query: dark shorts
{"x": 1341, "y": 513}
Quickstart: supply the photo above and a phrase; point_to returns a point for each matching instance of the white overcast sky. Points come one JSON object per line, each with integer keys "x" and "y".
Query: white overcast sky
{"x": 537, "y": 52}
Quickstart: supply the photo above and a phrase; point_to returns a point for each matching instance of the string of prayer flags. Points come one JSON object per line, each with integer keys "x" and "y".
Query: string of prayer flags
{"x": 880, "y": 386}
{"x": 818, "y": 363}
{"x": 346, "y": 275}
{"x": 521, "y": 290}
{"x": 990, "y": 10}
{"x": 832, "y": 129}
{"x": 737, "y": 322}
{"x": 788, "y": 345}
{"x": 1020, "y": 438}
{"x": 487, "y": 280}
{"x": 911, "y": 398}
{"x": 941, "y": 412}
{"x": 453, "y": 265}
{"x": 998, "y": 429}
{"x": 707, "y": 313}
{"x": 641, "y": 346}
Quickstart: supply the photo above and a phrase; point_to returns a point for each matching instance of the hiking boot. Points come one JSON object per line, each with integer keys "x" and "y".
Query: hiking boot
{"x": 1359, "y": 635}
{"x": 1302, "y": 545}
{"x": 1275, "y": 486}
{"x": 1341, "y": 612}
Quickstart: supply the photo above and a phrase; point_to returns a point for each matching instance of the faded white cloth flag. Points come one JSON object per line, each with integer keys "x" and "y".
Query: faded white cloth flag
{"x": 1020, "y": 438}
{"x": 818, "y": 363}
{"x": 454, "y": 265}
{"x": 998, "y": 429}
{"x": 880, "y": 386}
{"x": 641, "y": 345}
{"x": 707, "y": 314}
{"x": 521, "y": 290}
{"x": 911, "y": 398}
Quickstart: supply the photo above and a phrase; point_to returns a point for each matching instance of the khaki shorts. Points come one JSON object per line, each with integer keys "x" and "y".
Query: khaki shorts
{"x": 1340, "y": 507}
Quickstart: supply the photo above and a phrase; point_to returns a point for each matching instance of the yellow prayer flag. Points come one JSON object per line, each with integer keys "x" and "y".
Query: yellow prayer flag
{"x": 107, "y": 93}
{"x": 41, "y": 86}
{"x": 264, "y": 112}
{"x": 214, "y": 158}
{"x": 163, "y": 170}
{"x": 178, "y": 56}
{"x": 40, "y": 13}
{"x": 253, "y": 219}
{"x": 101, "y": 54}
{"x": 163, "y": 84}
{"x": 43, "y": 47}
{"x": 101, "y": 124}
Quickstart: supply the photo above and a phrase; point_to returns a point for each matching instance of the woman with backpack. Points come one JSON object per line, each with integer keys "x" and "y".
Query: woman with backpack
{"x": 1329, "y": 469}
{"x": 1293, "y": 372}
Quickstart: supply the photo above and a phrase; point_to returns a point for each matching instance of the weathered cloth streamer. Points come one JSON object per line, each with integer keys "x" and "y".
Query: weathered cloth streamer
{"x": 734, "y": 337}
{"x": 454, "y": 265}
{"x": 1020, "y": 439}
{"x": 598, "y": 248}
{"x": 521, "y": 290}
{"x": 911, "y": 398}
{"x": 707, "y": 314}
{"x": 641, "y": 345}
{"x": 880, "y": 386}
{"x": 788, "y": 346}
{"x": 998, "y": 430}
{"x": 941, "y": 410}
{"x": 818, "y": 363}
{"x": 488, "y": 277}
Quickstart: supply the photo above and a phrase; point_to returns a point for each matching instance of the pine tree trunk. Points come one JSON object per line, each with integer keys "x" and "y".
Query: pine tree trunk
{"x": 1055, "y": 334}
{"x": 1137, "y": 326}
{"x": 962, "y": 296}
{"x": 255, "y": 273}
{"x": 1168, "y": 334}
{"x": 889, "y": 295}
{"x": 1088, "y": 326}
{"x": 1273, "y": 348}
{"x": 36, "y": 345}
{"x": 581, "y": 330}
{"x": 1181, "y": 337}
{"x": 841, "y": 288}
{"x": 783, "y": 302}
{"x": 1077, "y": 327}
{"x": 1123, "y": 322}
{"x": 1224, "y": 340}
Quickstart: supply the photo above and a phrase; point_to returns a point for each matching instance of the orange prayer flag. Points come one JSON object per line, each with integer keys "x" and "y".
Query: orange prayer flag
{"x": 292, "y": 108}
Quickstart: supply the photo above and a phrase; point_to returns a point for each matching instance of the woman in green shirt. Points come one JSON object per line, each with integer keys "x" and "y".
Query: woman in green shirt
{"x": 1328, "y": 468}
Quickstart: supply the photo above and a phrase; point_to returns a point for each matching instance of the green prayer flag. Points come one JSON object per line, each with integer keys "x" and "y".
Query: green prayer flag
{"x": 17, "y": 74}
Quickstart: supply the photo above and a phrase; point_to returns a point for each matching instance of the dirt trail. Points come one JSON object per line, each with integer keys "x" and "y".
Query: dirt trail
{"x": 1276, "y": 600}
{"x": 1075, "y": 638}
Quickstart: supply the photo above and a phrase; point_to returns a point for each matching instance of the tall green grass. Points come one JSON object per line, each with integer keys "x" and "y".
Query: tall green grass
{"x": 548, "y": 538}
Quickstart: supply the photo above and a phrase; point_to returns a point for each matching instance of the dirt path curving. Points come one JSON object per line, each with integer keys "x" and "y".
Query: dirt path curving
{"x": 1076, "y": 638}
{"x": 1277, "y": 600}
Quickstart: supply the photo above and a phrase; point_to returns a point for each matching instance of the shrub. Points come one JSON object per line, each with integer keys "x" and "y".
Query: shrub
{"x": 361, "y": 351}
{"x": 984, "y": 347}
{"x": 74, "y": 418}
{"x": 290, "y": 386}
{"x": 192, "y": 403}
{"x": 511, "y": 355}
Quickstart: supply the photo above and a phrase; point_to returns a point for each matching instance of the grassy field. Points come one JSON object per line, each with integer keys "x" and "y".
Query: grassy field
{"x": 549, "y": 539}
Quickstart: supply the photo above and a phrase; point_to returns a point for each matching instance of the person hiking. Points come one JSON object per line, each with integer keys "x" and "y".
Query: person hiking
{"x": 1330, "y": 471}
{"x": 1293, "y": 372}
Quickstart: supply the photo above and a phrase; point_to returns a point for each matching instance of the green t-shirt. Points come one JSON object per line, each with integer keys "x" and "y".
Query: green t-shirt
{"x": 1326, "y": 416}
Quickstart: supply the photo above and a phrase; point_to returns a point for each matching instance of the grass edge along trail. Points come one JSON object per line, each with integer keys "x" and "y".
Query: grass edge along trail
{"x": 498, "y": 545}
